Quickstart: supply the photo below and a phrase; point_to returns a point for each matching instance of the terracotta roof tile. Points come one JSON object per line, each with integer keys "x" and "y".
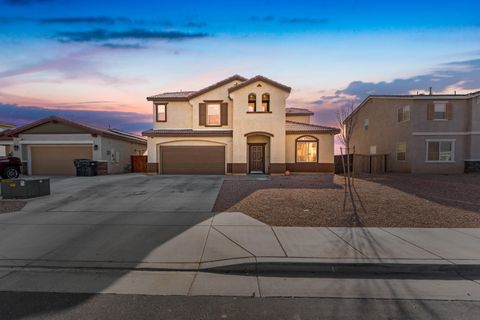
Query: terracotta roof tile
{"x": 112, "y": 133}
{"x": 260, "y": 78}
{"x": 298, "y": 111}
{"x": 187, "y": 95}
{"x": 294, "y": 127}
{"x": 186, "y": 132}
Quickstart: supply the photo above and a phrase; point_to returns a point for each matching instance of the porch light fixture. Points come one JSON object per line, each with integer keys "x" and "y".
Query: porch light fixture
{"x": 15, "y": 147}
{"x": 95, "y": 147}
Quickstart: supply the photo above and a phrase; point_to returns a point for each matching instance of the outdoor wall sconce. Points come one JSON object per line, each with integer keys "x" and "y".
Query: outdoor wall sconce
{"x": 15, "y": 147}
{"x": 95, "y": 147}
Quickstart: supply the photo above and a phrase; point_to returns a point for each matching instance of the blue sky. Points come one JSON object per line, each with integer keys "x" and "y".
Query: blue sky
{"x": 96, "y": 61}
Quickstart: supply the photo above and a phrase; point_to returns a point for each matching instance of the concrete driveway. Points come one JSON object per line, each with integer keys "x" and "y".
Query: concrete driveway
{"x": 130, "y": 193}
{"x": 124, "y": 219}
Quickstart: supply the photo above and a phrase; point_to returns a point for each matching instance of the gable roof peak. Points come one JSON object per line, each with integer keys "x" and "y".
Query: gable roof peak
{"x": 187, "y": 95}
{"x": 260, "y": 78}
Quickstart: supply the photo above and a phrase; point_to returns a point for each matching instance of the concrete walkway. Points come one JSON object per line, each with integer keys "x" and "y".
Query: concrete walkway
{"x": 228, "y": 241}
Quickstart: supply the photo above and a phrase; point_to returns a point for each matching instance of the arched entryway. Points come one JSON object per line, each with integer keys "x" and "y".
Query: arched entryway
{"x": 258, "y": 152}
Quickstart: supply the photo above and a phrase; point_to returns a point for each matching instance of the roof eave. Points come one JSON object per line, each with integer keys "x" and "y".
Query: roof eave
{"x": 337, "y": 131}
{"x": 154, "y": 99}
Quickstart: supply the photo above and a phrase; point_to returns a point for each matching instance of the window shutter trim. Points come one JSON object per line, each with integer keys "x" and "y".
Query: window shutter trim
{"x": 202, "y": 114}
{"x": 449, "y": 111}
{"x": 224, "y": 113}
{"x": 430, "y": 111}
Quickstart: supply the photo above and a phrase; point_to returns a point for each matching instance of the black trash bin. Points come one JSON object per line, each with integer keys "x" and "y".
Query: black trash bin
{"x": 91, "y": 170}
{"x": 85, "y": 167}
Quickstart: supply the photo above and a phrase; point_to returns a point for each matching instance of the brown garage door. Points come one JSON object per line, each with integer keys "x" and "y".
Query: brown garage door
{"x": 57, "y": 160}
{"x": 192, "y": 160}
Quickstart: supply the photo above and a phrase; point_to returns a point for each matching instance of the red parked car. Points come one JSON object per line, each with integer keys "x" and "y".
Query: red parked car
{"x": 10, "y": 167}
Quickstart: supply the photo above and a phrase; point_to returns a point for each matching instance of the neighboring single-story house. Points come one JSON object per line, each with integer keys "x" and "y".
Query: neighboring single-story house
{"x": 49, "y": 146}
{"x": 236, "y": 126}
{"x": 5, "y": 140}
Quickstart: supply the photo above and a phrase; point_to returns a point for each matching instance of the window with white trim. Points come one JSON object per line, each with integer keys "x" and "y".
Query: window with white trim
{"x": 403, "y": 113}
{"x": 365, "y": 124}
{"x": 373, "y": 149}
{"x": 401, "y": 151}
{"x": 440, "y": 111}
{"x": 440, "y": 150}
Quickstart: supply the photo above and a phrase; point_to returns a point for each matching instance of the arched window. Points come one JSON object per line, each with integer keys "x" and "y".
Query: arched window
{"x": 306, "y": 147}
{"x": 252, "y": 102}
{"x": 265, "y": 102}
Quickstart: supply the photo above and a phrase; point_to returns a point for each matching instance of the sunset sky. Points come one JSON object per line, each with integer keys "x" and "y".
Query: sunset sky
{"x": 96, "y": 61}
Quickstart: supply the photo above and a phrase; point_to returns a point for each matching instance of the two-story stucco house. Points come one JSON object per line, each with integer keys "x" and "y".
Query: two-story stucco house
{"x": 420, "y": 133}
{"x": 236, "y": 126}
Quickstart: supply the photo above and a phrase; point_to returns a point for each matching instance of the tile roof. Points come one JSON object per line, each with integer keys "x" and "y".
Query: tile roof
{"x": 413, "y": 96}
{"x": 111, "y": 133}
{"x": 298, "y": 111}
{"x": 6, "y": 125}
{"x": 260, "y": 78}
{"x": 172, "y": 95}
{"x": 187, "y": 95}
{"x": 186, "y": 132}
{"x": 300, "y": 127}
{"x": 290, "y": 126}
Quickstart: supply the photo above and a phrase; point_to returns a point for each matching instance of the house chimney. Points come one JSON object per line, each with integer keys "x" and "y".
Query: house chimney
{"x": 430, "y": 91}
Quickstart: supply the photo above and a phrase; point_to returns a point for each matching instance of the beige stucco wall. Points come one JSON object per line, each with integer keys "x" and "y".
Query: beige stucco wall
{"x": 218, "y": 94}
{"x": 325, "y": 147}
{"x": 125, "y": 150}
{"x": 273, "y": 122}
{"x": 303, "y": 119}
{"x": 179, "y": 116}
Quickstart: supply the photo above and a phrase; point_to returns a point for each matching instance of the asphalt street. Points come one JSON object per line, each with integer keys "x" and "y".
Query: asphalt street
{"x": 21, "y": 305}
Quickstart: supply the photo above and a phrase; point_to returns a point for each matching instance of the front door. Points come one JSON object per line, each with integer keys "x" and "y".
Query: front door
{"x": 257, "y": 158}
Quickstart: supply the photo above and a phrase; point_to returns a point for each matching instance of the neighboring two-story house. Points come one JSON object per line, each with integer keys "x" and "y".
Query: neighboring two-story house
{"x": 236, "y": 126}
{"x": 420, "y": 133}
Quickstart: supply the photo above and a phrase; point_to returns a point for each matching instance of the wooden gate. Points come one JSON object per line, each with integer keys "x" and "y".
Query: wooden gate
{"x": 139, "y": 163}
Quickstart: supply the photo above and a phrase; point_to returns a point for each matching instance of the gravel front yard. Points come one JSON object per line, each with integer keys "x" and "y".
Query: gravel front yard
{"x": 392, "y": 200}
{"x": 10, "y": 206}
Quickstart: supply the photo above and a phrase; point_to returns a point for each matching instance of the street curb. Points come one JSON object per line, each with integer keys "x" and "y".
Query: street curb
{"x": 271, "y": 267}
{"x": 347, "y": 268}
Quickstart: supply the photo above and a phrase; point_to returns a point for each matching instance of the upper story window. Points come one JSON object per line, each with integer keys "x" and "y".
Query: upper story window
{"x": 161, "y": 112}
{"x": 265, "y": 102}
{"x": 252, "y": 102}
{"x": 307, "y": 149}
{"x": 213, "y": 115}
{"x": 403, "y": 113}
{"x": 440, "y": 111}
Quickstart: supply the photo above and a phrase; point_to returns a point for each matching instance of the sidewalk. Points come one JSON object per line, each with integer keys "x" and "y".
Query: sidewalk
{"x": 236, "y": 242}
